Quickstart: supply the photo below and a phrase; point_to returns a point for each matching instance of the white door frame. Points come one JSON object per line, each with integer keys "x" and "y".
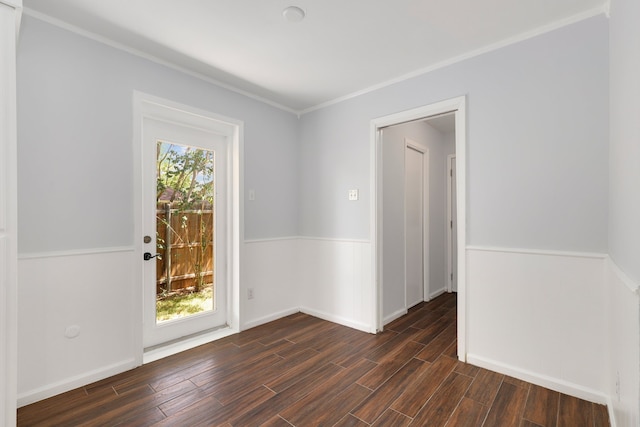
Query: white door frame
{"x": 10, "y": 13}
{"x": 450, "y": 159}
{"x": 408, "y": 143}
{"x": 457, "y": 105}
{"x": 149, "y": 106}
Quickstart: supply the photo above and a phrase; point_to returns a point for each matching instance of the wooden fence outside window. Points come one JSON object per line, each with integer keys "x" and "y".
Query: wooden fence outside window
{"x": 185, "y": 248}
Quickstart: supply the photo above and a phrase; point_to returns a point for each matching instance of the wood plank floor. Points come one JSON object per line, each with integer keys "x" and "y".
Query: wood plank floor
{"x": 302, "y": 371}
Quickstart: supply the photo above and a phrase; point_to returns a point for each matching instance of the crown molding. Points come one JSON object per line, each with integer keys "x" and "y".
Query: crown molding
{"x": 489, "y": 48}
{"x": 602, "y": 10}
{"x": 128, "y": 49}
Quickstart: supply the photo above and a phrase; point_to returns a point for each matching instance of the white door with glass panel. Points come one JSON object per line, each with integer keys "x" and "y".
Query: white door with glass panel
{"x": 185, "y": 190}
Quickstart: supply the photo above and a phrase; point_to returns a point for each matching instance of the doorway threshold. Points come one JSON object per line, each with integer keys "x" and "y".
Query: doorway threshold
{"x": 170, "y": 348}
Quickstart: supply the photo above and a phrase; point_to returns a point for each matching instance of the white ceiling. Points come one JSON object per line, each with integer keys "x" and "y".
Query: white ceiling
{"x": 342, "y": 47}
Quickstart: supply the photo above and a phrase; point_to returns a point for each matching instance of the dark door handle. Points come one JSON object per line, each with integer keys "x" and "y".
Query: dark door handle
{"x": 147, "y": 256}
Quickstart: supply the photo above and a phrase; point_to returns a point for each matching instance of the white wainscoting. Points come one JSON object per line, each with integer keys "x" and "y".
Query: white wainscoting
{"x": 623, "y": 345}
{"x": 95, "y": 290}
{"x": 270, "y": 268}
{"x": 539, "y": 316}
{"x": 92, "y": 290}
{"x": 544, "y": 317}
{"x": 337, "y": 281}
{"x": 326, "y": 278}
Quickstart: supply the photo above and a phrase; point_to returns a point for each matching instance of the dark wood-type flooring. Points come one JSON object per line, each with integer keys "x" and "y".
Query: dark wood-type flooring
{"x": 302, "y": 371}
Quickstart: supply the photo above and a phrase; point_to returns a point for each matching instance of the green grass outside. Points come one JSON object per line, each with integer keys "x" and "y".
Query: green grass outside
{"x": 183, "y": 304}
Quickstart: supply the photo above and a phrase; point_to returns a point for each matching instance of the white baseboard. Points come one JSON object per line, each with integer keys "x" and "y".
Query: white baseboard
{"x": 437, "y": 293}
{"x": 337, "y": 319}
{"x": 269, "y": 318}
{"x": 50, "y": 390}
{"x": 393, "y": 316}
{"x": 538, "y": 379}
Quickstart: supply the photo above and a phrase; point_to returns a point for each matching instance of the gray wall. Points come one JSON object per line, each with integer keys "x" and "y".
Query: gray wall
{"x": 537, "y": 144}
{"x": 75, "y": 142}
{"x": 624, "y": 174}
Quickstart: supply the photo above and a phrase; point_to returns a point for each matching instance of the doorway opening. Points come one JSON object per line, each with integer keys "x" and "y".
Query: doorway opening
{"x": 383, "y": 233}
{"x": 188, "y": 225}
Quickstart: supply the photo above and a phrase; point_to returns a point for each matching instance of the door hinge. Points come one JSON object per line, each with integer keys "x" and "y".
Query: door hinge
{"x": 451, "y": 224}
{"x": 451, "y": 173}
{"x": 452, "y": 277}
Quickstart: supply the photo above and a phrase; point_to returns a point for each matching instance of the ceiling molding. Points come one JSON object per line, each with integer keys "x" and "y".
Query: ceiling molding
{"x": 495, "y": 46}
{"x": 17, "y": 4}
{"x": 128, "y": 49}
{"x": 175, "y": 66}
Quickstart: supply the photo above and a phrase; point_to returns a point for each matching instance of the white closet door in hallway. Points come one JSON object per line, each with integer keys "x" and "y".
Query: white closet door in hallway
{"x": 415, "y": 242}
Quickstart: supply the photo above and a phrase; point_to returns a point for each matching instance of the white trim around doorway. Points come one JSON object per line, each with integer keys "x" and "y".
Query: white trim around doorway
{"x": 458, "y": 106}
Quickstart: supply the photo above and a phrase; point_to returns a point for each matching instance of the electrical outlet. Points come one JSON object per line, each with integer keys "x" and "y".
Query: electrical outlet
{"x": 250, "y": 293}
{"x": 353, "y": 195}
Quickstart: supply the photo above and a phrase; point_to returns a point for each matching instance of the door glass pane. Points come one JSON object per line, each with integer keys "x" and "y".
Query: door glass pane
{"x": 185, "y": 279}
